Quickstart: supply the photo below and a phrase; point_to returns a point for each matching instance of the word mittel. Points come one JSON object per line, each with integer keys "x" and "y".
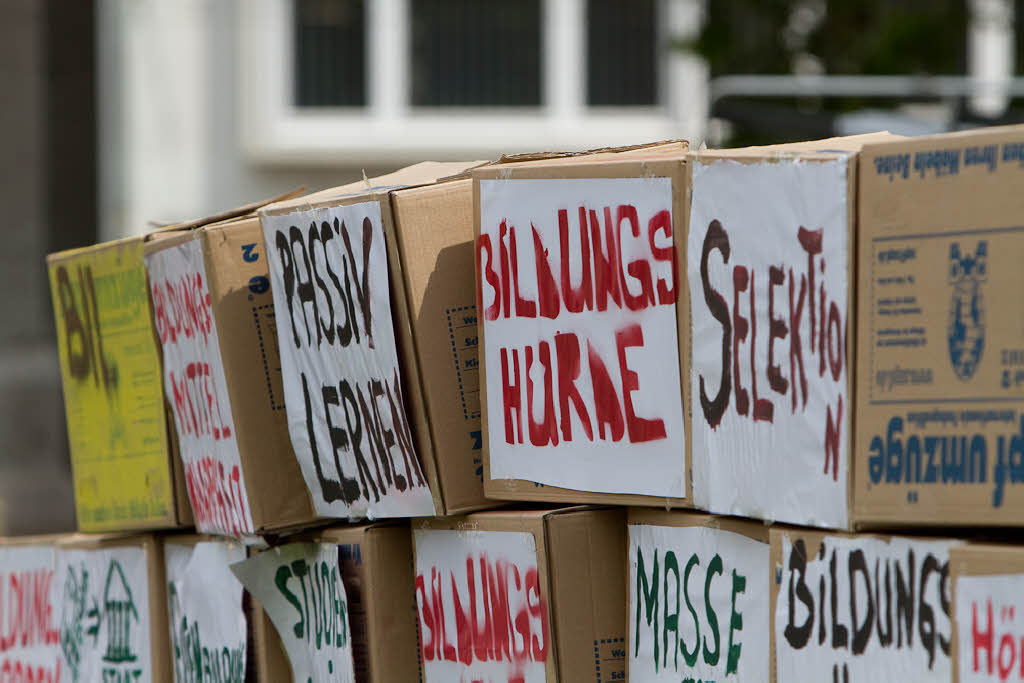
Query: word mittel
{"x": 339, "y": 298}
{"x": 578, "y": 302}
{"x": 860, "y": 607}
{"x": 940, "y": 337}
{"x": 769, "y": 258}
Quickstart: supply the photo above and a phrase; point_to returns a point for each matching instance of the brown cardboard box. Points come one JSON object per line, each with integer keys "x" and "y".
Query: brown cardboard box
{"x": 770, "y": 262}
{"x": 434, "y": 239}
{"x": 376, "y": 568}
{"x": 209, "y": 613}
{"x": 125, "y": 466}
{"x": 113, "y": 589}
{"x": 425, "y": 233}
{"x": 557, "y": 577}
{"x": 986, "y": 587}
{"x": 940, "y": 343}
{"x": 657, "y": 176}
{"x": 859, "y": 607}
{"x": 723, "y": 559}
{"x": 243, "y": 315}
{"x": 123, "y": 460}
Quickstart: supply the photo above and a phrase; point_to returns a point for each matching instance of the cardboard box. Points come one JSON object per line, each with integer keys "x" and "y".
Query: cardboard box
{"x": 770, "y": 267}
{"x": 359, "y": 301}
{"x": 940, "y": 343}
{"x": 860, "y": 607}
{"x": 30, "y": 641}
{"x": 124, "y": 461}
{"x": 693, "y": 579}
{"x": 239, "y": 465}
{"x": 537, "y": 594}
{"x": 602, "y": 326}
{"x": 434, "y": 240}
{"x": 208, "y": 618}
{"x": 301, "y": 613}
{"x": 987, "y": 582}
{"x": 113, "y": 623}
{"x": 125, "y": 471}
{"x": 376, "y": 568}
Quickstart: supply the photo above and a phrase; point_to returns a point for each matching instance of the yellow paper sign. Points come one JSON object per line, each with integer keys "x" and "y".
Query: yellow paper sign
{"x": 112, "y": 389}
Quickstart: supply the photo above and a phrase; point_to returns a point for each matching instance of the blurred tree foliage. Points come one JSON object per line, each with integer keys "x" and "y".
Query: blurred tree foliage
{"x": 851, "y": 37}
{"x": 892, "y": 37}
{"x": 871, "y": 37}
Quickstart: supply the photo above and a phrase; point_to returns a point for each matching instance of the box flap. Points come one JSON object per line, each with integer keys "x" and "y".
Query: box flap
{"x": 224, "y": 215}
{"x": 826, "y": 148}
{"x": 423, "y": 173}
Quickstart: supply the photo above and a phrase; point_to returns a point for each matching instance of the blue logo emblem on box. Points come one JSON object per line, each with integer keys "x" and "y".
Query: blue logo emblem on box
{"x": 966, "y": 329}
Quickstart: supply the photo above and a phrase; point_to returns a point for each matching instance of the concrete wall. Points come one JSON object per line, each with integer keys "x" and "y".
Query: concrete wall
{"x": 35, "y": 481}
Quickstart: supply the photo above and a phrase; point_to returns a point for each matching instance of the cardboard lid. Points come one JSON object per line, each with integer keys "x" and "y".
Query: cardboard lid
{"x": 973, "y": 136}
{"x": 80, "y": 541}
{"x": 165, "y": 231}
{"x": 986, "y": 559}
{"x": 828, "y": 148}
{"x": 545, "y": 164}
{"x": 230, "y": 214}
{"x": 659, "y": 147}
{"x": 28, "y": 541}
{"x": 423, "y": 173}
{"x": 91, "y": 248}
{"x": 751, "y": 528}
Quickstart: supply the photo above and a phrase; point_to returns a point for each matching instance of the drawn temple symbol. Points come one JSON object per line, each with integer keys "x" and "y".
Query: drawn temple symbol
{"x": 119, "y": 611}
{"x": 966, "y": 330}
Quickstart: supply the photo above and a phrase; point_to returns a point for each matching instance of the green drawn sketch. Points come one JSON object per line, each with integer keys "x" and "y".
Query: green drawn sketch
{"x": 119, "y": 610}
{"x": 72, "y": 633}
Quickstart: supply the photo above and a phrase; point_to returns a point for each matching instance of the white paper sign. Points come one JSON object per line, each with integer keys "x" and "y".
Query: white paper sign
{"x": 204, "y": 603}
{"x": 29, "y": 615}
{"x": 482, "y": 613}
{"x": 342, "y": 386}
{"x": 767, "y": 256}
{"x": 577, "y": 293}
{"x": 197, "y": 390}
{"x": 698, "y": 605}
{"x": 105, "y": 612}
{"x": 300, "y": 587}
{"x": 863, "y": 609}
{"x": 990, "y": 628}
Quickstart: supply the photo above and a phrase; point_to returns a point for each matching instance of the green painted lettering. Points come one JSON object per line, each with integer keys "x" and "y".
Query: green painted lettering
{"x": 732, "y": 662}
{"x": 712, "y": 656}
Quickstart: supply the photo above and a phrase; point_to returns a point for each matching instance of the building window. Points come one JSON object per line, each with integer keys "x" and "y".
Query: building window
{"x": 475, "y": 54}
{"x": 330, "y": 53}
{"x": 472, "y": 53}
{"x": 387, "y": 81}
{"x": 622, "y": 50}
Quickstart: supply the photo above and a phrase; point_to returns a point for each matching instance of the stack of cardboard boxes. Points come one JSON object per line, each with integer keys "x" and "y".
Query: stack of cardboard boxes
{"x": 406, "y": 417}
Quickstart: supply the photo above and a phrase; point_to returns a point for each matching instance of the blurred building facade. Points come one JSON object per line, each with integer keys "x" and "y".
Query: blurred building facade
{"x": 210, "y": 103}
{"x": 48, "y": 188}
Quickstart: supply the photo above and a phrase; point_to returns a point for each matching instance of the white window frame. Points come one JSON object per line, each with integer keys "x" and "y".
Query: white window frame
{"x": 389, "y": 130}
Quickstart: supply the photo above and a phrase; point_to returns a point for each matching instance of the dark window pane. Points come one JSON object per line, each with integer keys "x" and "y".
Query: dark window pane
{"x": 621, "y": 52}
{"x": 476, "y": 52}
{"x": 330, "y": 62}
